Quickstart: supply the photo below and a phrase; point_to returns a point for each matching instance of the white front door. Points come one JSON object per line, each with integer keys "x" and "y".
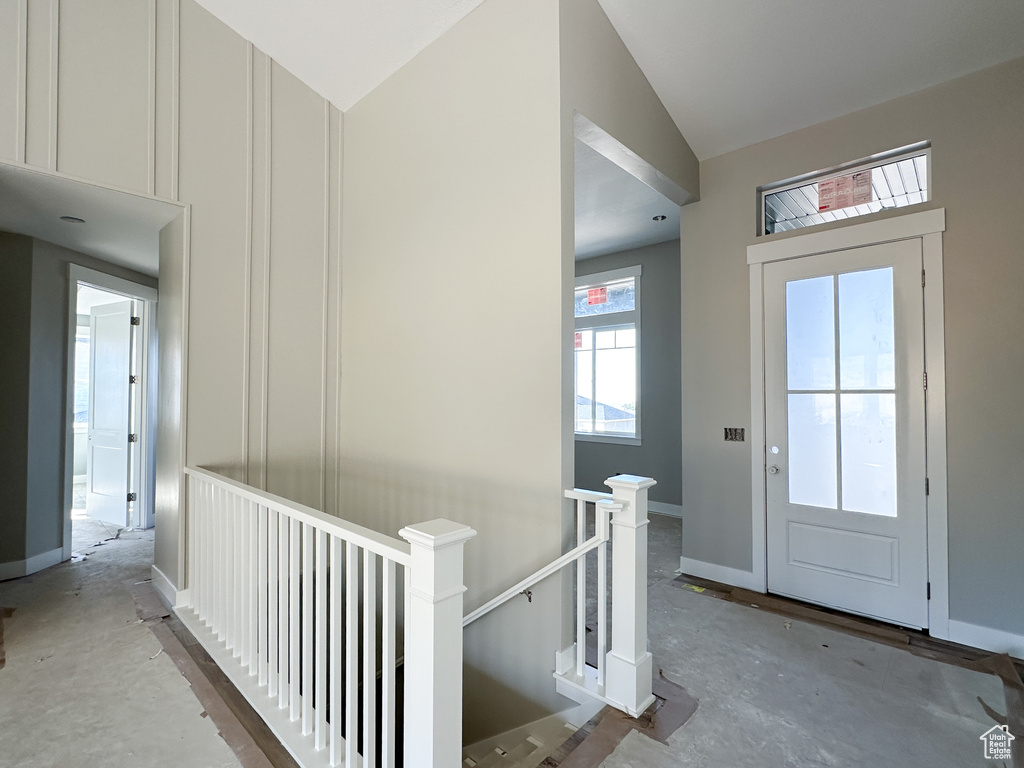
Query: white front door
{"x": 845, "y": 431}
{"x": 109, "y": 408}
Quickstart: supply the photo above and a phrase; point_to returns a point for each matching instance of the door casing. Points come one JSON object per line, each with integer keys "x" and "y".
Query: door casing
{"x": 928, "y": 226}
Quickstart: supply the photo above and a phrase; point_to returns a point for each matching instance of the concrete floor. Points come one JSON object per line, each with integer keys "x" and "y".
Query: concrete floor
{"x": 86, "y": 682}
{"x": 775, "y": 696}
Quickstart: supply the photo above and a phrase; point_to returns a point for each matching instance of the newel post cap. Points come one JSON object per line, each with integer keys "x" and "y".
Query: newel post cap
{"x": 630, "y": 482}
{"x": 436, "y": 534}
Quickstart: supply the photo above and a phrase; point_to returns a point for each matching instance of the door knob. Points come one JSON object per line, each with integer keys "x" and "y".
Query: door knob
{"x": 773, "y": 469}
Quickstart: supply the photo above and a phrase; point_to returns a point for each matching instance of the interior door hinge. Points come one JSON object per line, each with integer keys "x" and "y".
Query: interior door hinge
{"x": 132, "y": 496}
{"x": 927, "y": 489}
{"x": 133, "y": 438}
{"x": 133, "y": 379}
{"x": 922, "y": 278}
{"x": 929, "y": 590}
{"x": 925, "y": 377}
{"x": 136, "y": 321}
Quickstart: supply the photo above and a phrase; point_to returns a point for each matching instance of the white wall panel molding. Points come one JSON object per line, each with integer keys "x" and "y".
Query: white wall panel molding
{"x": 175, "y": 94}
{"x": 247, "y": 301}
{"x": 151, "y": 133}
{"x": 51, "y": 153}
{"x": 333, "y": 318}
{"x": 324, "y": 383}
{"x": 41, "y": 37}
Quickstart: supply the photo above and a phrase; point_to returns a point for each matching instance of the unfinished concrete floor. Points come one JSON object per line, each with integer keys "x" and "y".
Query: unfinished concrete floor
{"x": 776, "y": 692}
{"x": 86, "y": 682}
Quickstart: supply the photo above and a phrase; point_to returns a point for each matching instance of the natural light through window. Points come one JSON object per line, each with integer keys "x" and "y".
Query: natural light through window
{"x": 606, "y": 355}
{"x": 892, "y": 180}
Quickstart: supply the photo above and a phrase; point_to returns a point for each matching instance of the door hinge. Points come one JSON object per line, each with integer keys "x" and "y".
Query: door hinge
{"x": 133, "y": 379}
{"x": 133, "y": 438}
{"x": 922, "y": 278}
{"x": 136, "y": 321}
{"x": 929, "y": 590}
{"x": 132, "y": 496}
{"x": 927, "y": 488}
{"x": 925, "y": 378}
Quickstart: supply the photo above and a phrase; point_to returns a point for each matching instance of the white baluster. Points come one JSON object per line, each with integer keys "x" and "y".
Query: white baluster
{"x": 294, "y": 642}
{"x": 337, "y": 640}
{"x": 308, "y": 592}
{"x": 433, "y": 651}
{"x": 262, "y": 585}
{"x": 369, "y": 658}
{"x": 351, "y": 652}
{"x": 629, "y": 663}
{"x": 322, "y": 634}
{"x": 282, "y": 611}
{"x": 603, "y": 514}
{"x": 388, "y": 665}
{"x": 581, "y": 590}
{"x": 273, "y": 612}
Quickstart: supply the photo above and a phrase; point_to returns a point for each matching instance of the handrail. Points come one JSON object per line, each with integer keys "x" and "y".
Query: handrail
{"x": 378, "y": 543}
{"x": 551, "y": 568}
{"x": 580, "y": 494}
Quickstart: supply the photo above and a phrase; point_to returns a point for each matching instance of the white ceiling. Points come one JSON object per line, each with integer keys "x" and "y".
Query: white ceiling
{"x": 614, "y": 210}
{"x": 730, "y": 72}
{"x": 119, "y": 227}
{"x": 735, "y": 72}
{"x": 342, "y": 49}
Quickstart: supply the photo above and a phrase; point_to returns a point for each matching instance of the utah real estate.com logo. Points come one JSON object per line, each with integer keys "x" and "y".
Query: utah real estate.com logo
{"x": 997, "y": 742}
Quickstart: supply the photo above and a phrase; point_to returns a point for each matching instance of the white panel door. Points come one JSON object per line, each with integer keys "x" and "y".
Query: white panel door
{"x": 845, "y": 431}
{"x": 109, "y": 408}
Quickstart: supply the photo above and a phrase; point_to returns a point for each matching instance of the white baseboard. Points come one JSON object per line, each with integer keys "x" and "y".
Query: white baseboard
{"x": 668, "y": 510}
{"x": 164, "y": 586}
{"x": 18, "y": 568}
{"x": 995, "y": 640}
{"x": 724, "y": 574}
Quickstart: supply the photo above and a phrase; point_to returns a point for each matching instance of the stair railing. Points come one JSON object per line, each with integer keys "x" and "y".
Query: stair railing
{"x": 296, "y": 606}
{"x": 622, "y": 673}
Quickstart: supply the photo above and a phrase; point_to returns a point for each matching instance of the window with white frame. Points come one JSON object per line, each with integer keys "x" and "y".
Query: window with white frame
{"x": 607, "y": 343}
{"x": 893, "y": 179}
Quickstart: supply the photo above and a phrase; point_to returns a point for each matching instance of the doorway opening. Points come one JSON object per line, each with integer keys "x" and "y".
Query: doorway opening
{"x": 879, "y": 547}
{"x": 112, "y": 464}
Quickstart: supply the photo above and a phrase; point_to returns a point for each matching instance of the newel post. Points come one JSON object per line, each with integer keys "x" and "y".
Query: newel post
{"x": 433, "y": 646}
{"x": 629, "y": 664}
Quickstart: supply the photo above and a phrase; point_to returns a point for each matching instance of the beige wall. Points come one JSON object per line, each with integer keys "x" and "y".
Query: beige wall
{"x": 161, "y": 98}
{"x": 453, "y": 277}
{"x": 976, "y": 126}
{"x": 601, "y": 81}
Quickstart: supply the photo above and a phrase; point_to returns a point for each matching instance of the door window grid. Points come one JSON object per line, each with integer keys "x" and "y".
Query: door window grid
{"x": 842, "y": 438}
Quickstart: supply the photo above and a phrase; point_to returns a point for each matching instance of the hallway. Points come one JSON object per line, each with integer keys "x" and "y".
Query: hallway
{"x": 87, "y": 683}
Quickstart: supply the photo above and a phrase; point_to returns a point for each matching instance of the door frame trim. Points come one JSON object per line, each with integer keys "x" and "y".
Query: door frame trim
{"x": 147, "y": 297}
{"x": 929, "y": 226}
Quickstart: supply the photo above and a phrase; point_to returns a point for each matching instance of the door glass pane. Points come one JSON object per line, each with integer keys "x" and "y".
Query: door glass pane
{"x": 869, "y": 453}
{"x": 866, "y": 330}
{"x": 810, "y": 334}
{"x": 812, "y": 450}
{"x": 615, "y": 391}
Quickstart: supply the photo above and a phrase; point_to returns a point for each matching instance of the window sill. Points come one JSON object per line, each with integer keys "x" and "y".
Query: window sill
{"x": 599, "y": 437}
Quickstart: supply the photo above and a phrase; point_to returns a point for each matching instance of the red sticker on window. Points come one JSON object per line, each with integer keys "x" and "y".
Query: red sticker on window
{"x": 579, "y": 340}
{"x": 597, "y": 295}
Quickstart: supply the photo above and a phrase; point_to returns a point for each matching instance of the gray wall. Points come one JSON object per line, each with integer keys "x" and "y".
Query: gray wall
{"x": 15, "y": 346}
{"x": 660, "y": 454}
{"x": 34, "y": 382}
{"x": 976, "y": 126}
